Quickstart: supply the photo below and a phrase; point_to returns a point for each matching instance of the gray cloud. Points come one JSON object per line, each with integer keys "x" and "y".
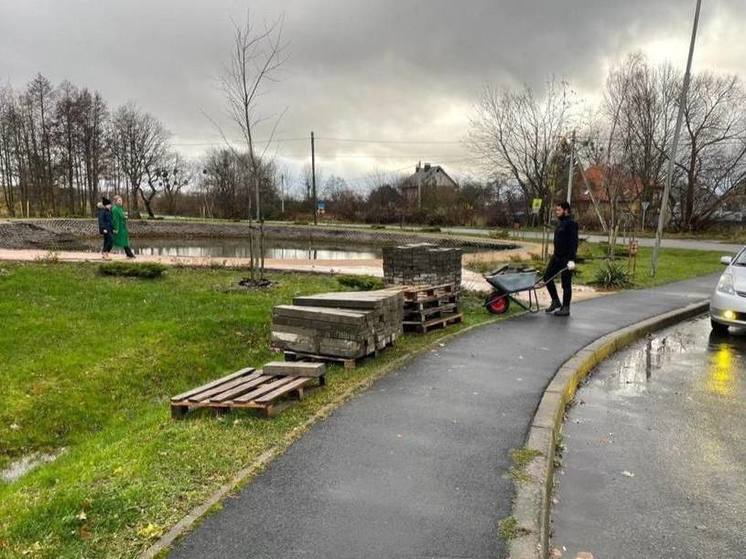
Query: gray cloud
{"x": 384, "y": 69}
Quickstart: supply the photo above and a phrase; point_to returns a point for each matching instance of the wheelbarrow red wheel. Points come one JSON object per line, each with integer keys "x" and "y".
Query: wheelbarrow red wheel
{"x": 497, "y": 303}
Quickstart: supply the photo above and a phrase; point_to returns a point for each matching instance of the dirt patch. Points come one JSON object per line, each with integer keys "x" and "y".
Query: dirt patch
{"x": 21, "y": 235}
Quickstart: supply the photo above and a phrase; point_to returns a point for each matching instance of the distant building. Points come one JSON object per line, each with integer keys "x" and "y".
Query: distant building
{"x": 426, "y": 178}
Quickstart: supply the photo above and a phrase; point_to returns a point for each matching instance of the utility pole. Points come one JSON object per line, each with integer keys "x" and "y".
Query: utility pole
{"x": 572, "y": 166}
{"x": 313, "y": 178}
{"x": 675, "y": 145}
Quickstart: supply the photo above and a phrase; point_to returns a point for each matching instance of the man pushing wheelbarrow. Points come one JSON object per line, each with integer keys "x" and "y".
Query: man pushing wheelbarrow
{"x": 509, "y": 281}
{"x": 562, "y": 261}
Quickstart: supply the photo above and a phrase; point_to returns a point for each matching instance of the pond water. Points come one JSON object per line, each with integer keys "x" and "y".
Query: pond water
{"x": 238, "y": 248}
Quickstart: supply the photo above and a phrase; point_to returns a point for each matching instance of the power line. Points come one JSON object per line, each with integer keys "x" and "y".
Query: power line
{"x": 329, "y": 139}
{"x": 369, "y": 141}
{"x": 222, "y": 143}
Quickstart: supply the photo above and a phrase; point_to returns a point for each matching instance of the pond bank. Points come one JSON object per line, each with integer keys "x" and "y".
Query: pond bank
{"x": 52, "y": 234}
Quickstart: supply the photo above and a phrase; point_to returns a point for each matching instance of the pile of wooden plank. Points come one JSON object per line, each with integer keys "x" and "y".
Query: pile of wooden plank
{"x": 421, "y": 264}
{"x": 431, "y": 307}
{"x": 338, "y": 325}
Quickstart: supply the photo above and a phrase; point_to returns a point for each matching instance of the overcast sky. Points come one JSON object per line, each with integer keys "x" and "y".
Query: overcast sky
{"x": 384, "y": 70}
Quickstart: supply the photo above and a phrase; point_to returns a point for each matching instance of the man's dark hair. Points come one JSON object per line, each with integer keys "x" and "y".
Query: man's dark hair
{"x": 564, "y": 205}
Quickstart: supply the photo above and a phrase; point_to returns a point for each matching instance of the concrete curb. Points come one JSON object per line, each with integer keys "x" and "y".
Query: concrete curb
{"x": 160, "y": 547}
{"x": 532, "y": 503}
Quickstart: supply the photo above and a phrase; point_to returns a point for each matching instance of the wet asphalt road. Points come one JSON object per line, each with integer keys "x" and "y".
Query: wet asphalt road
{"x": 655, "y": 458}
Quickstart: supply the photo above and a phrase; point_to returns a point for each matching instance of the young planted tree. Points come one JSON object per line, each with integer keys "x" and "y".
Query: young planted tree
{"x": 256, "y": 58}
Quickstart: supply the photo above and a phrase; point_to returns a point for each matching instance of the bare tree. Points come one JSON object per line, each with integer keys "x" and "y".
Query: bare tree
{"x": 516, "y": 133}
{"x": 140, "y": 144}
{"x": 649, "y": 116}
{"x": 255, "y": 60}
{"x": 714, "y": 166}
{"x": 175, "y": 175}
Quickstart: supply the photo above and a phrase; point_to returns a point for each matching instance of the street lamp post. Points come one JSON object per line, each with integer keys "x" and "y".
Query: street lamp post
{"x": 675, "y": 145}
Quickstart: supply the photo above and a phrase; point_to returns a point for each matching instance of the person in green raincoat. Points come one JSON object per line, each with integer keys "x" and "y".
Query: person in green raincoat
{"x": 119, "y": 220}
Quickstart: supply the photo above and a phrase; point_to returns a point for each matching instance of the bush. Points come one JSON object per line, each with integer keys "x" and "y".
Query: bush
{"x": 360, "y": 283}
{"x": 147, "y": 270}
{"x": 431, "y": 229}
{"x": 620, "y": 251}
{"x": 378, "y": 227}
{"x": 585, "y": 251}
{"x": 500, "y": 234}
{"x": 612, "y": 275}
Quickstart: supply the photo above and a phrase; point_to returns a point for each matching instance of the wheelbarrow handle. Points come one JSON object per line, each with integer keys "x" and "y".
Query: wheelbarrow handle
{"x": 543, "y": 282}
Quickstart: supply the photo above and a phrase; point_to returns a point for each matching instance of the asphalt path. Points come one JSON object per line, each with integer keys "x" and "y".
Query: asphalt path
{"x": 655, "y": 459}
{"x": 692, "y": 244}
{"x": 416, "y": 466}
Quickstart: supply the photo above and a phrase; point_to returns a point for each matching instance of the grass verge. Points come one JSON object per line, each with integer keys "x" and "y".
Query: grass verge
{"x": 89, "y": 363}
{"x": 674, "y": 265}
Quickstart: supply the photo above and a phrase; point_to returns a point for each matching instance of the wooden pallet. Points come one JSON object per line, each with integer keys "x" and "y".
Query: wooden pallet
{"x": 425, "y": 313}
{"x": 441, "y": 322}
{"x": 429, "y": 293}
{"x": 245, "y": 389}
{"x": 433, "y": 301}
{"x": 346, "y": 362}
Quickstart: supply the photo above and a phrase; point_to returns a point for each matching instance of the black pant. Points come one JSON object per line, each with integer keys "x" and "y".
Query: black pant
{"x": 108, "y": 242}
{"x": 128, "y": 252}
{"x": 555, "y": 265}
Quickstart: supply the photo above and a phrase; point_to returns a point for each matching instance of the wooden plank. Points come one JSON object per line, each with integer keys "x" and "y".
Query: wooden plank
{"x": 179, "y": 412}
{"x": 209, "y": 385}
{"x": 442, "y": 321}
{"x": 284, "y": 389}
{"x": 241, "y": 389}
{"x": 434, "y": 300}
{"x": 207, "y": 394}
{"x": 263, "y": 389}
{"x": 299, "y": 355}
{"x": 424, "y": 313}
{"x": 294, "y": 369}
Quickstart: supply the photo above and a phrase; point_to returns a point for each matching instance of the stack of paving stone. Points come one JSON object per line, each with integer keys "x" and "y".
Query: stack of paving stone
{"x": 421, "y": 264}
{"x": 343, "y": 325}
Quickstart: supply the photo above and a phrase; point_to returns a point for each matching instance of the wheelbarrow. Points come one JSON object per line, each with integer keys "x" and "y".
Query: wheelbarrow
{"x": 507, "y": 281}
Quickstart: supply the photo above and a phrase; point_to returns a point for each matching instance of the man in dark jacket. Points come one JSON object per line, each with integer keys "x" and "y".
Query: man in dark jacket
{"x": 563, "y": 259}
{"x": 105, "y": 226}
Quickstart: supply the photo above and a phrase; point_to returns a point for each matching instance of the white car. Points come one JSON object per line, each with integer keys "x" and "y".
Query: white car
{"x": 728, "y": 301}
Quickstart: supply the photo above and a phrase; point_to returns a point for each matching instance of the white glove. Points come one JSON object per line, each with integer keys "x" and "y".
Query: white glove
{"x": 571, "y": 265}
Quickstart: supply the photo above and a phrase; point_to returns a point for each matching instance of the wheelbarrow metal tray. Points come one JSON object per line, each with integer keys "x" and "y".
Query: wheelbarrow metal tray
{"x": 514, "y": 282}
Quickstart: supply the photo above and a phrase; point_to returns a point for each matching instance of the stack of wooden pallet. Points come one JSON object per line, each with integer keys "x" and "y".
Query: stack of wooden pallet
{"x": 338, "y": 325}
{"x": 431, "y": 307}
{"x": 421, "y": 264}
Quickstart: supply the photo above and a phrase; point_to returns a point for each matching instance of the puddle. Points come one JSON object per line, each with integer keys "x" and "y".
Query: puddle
{"x": 24, "y": 465}
{"x": 637, "y": 366}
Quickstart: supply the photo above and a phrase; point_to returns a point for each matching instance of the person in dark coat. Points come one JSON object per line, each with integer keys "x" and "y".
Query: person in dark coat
{"x": 106, "y": 227}
{"x": 563, "y": 259}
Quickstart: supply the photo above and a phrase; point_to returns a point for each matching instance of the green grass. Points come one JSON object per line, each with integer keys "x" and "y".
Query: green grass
{"x": 673, "y": 265}
{"x": 89, "y": 363}
{"x": 509, "y": 529}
